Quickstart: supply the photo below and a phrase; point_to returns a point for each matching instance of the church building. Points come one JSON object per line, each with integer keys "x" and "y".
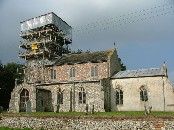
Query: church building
{"x": 133, "y": 90}
{"x": 59, "y": 80}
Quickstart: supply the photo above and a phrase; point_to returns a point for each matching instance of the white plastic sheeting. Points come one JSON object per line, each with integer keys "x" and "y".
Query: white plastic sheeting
{"x": 43, "y": 20}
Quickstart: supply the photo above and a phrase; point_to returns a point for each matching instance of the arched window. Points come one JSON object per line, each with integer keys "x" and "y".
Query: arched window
{"x": 94, "y": 71}
{"x": 143, "y": 94}
{"x": 53, "y": 74}
{"x": 60, "y": 97}
{"x": 119, "y": 97}
{"x": 72, "y": 72}
{"x": 82, "y": 96}
{"x": 24, "y": 97}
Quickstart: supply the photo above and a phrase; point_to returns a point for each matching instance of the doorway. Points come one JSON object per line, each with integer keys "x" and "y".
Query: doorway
{"x": 24, "y": 97}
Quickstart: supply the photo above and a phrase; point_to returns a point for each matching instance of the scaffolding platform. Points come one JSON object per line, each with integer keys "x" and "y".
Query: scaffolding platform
{"x": 49, "y": 21}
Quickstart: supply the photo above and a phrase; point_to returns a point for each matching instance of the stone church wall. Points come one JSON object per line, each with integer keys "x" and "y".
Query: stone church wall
{"x": 43, "y": 100}
{"x": 169, "y": 95}
{"x": 33, "y": 71}
{"x": 94, "y": 96}
{"x": 14, "y": 105}
{"x": 83, "y": 72}
{"x": 160, "y": 94}
{"x": 114, "y": 64}
{"x": 107, "y": 93}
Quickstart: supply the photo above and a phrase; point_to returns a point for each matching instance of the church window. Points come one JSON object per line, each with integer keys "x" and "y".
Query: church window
{"x": 82, "y": 96}
{"x": 119, "y": 97}
{"x": 94, "y": 71}
{"x": 143, "y": 95}
{"x": 24, "y": 97}
{"x": 60, "y": 97}
{"x": 72, "y": 72}
{"x": 53, "y": 74}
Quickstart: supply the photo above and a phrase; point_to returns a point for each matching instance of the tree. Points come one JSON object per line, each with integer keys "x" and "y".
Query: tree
{"x": 1, "y": 65}
{"x": 8, "y": 74}
{"x": 123, "y": 67}
{"x": 16, "y": 70}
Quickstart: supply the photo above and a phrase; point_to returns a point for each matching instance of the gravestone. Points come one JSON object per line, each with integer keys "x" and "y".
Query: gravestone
{"x": 86, "y": 113}
{"x": 150, "y": 109}
{"x": 145, "y": 110}
{"x": 58, "y": 107}
{"x": 28, "y": 107}
{"x": 92, "y": 109}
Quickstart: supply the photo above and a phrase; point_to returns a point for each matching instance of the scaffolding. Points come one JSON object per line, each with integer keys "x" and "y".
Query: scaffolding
{"x": 47, "y": 34}
{"x": 47, "y": 20}
{"x": 43, "y": 39}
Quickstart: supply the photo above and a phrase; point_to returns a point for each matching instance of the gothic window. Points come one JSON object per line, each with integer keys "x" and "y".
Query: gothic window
{"x": 24, "y": 97}
{"x": 119, "y": 97}
{"x": 143, "y": 94}
{"x": 94, "y": 71}
{"x": 72, "y": 72}
{"x": 82, "y": 96}
{"x": 53, "y": 74}
{"x": 60, "y": 97}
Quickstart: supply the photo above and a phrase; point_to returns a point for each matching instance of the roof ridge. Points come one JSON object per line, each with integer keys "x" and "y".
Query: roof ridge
{"x": 111, "y": 50}
{"x": 103, "y": 50}
{"x": 141, "y": 69}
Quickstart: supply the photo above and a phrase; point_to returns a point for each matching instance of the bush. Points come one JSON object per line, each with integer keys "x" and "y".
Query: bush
{"x": 1, "y": 109}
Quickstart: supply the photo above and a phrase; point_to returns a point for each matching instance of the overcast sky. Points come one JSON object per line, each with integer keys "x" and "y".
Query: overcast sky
{"x": 142, "y": 30}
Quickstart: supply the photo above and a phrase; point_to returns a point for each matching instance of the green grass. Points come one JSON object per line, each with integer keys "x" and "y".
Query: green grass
{"x": 7, "y": 128}
{"x": 120, "y": 113}
{"x": 162, "y": 113}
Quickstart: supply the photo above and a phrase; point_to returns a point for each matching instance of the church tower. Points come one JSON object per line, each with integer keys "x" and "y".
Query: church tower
{"x": 43, "y": 40}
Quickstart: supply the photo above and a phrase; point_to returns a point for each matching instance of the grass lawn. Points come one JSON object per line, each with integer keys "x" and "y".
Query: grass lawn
{"x": 120, "y": 113}
{"x": 6, "y": 128}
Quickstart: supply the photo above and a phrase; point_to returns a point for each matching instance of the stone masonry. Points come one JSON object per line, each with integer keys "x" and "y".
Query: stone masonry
{"x": 88, "y": 123}
{"x": 97, "y": 88}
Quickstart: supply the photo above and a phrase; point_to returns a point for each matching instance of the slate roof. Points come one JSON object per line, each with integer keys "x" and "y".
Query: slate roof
{"x": 152, "y": 72}
{"x": 99, "y": 56}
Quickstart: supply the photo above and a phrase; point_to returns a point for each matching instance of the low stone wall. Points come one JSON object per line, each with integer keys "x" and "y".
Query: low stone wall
{"x": 87, "y": 122}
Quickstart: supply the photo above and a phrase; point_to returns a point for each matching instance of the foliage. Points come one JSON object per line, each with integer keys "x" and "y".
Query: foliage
{"x": 1, "y": 66}
{"x": 16, "y": 70}
{"x": 8, "y": 74}
{"x": 123, "y": 67}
